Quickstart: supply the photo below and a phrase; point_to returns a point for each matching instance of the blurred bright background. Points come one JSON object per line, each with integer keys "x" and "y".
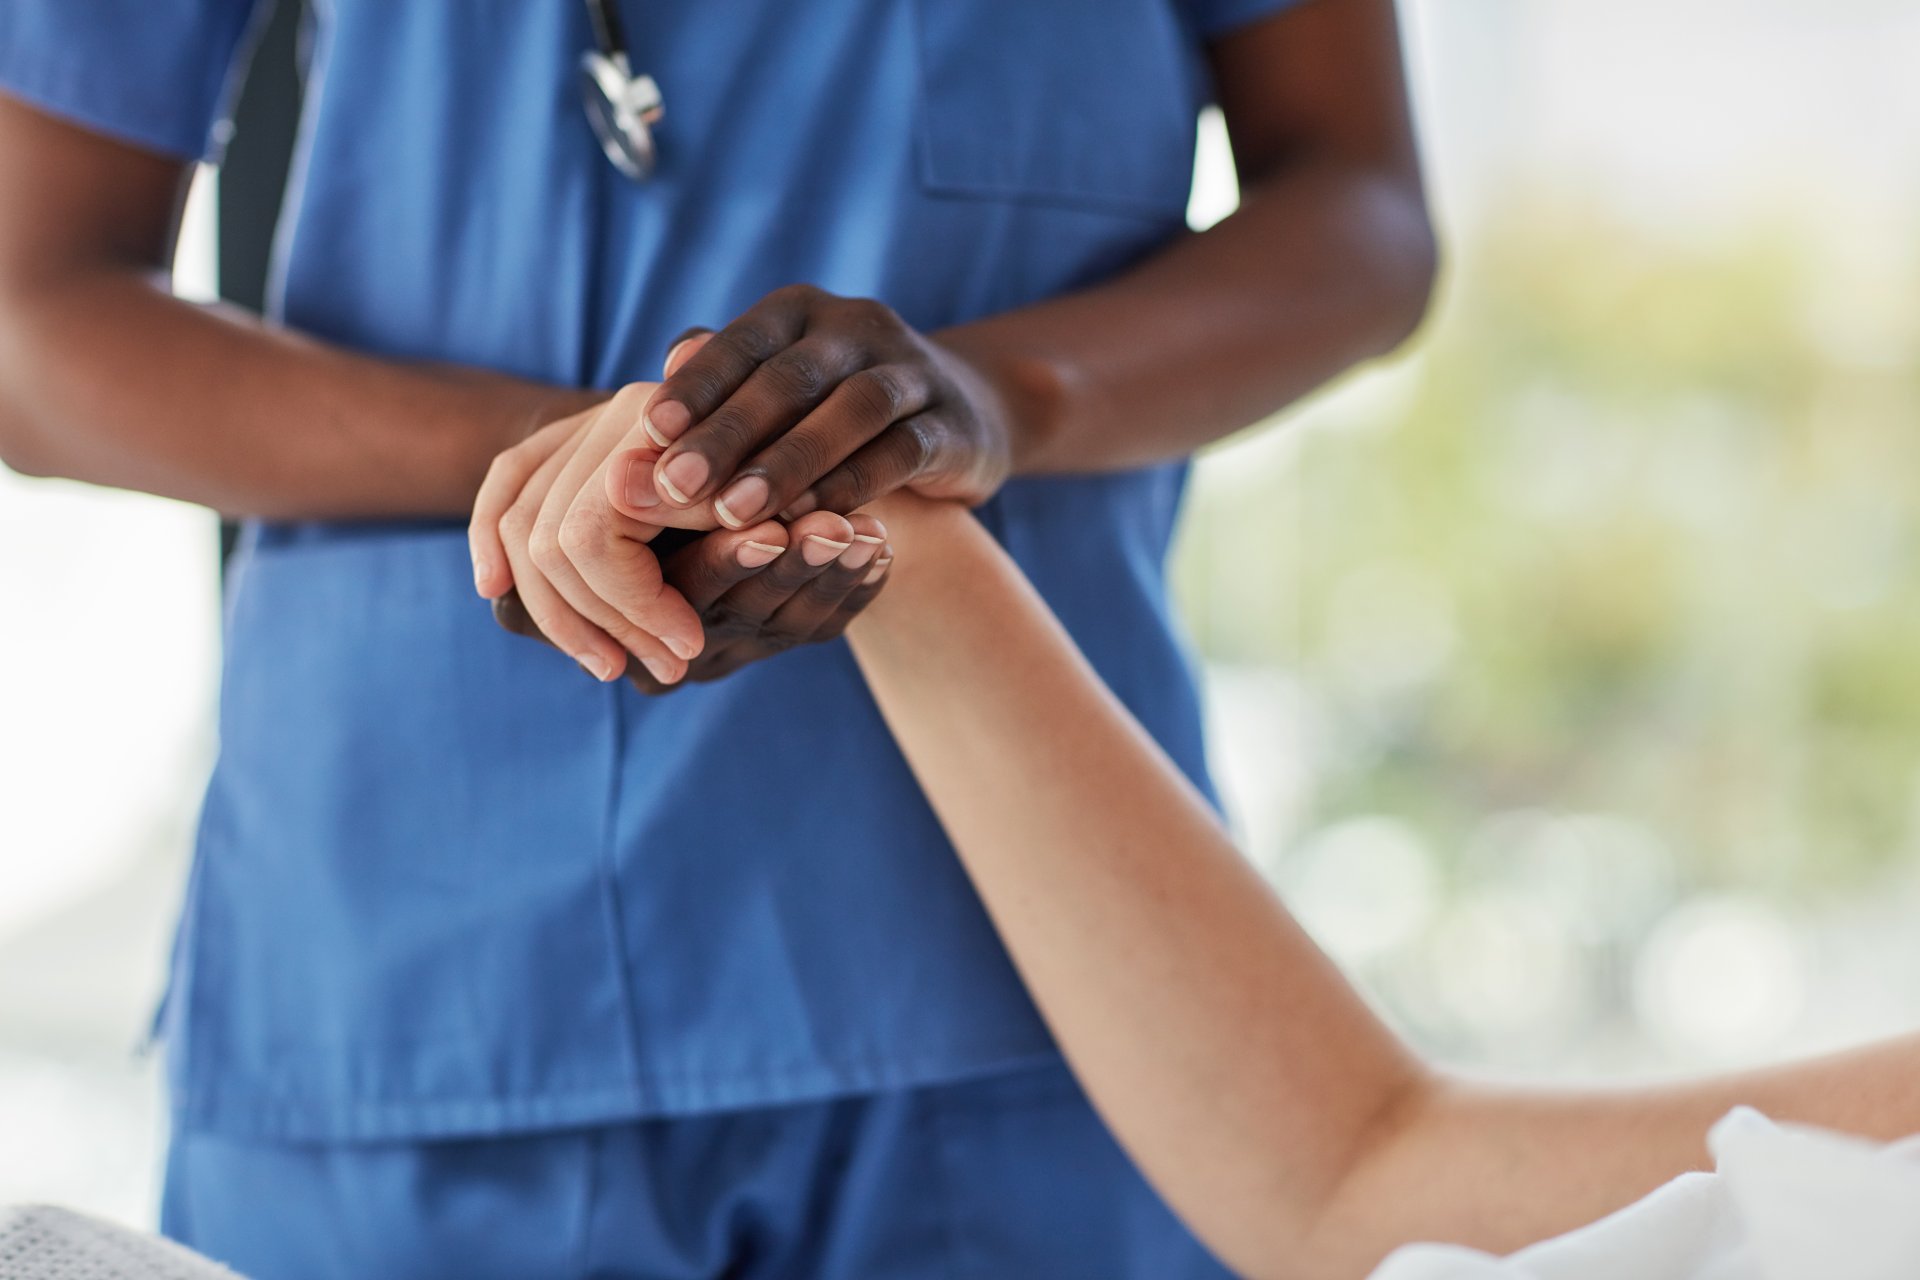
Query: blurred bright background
{"x": 1565, "y": 674}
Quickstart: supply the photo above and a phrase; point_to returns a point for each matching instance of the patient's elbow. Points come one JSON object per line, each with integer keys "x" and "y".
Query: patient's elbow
{"x": 21, "y": 450}
{"x": 20, "y": 453}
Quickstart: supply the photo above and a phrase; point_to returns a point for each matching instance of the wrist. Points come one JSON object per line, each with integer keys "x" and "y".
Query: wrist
{"x": 933, "y": 551}
{"x": 1025, "y": 393}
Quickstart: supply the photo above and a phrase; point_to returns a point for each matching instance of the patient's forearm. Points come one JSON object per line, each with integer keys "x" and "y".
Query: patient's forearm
{"x": 1281, "y": 1120}
{"x": 1224, "y": 1050}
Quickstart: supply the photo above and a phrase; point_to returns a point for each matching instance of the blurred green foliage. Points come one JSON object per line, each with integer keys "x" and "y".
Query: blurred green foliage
{"x": 1632, "y": 531}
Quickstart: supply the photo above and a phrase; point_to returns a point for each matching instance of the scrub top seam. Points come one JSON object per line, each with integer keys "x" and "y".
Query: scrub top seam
{"x": 613, "y": 913}
{"x": 293, "y": 198}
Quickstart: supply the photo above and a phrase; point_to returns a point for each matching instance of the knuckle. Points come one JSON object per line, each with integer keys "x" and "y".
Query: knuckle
{"x": 729, "y": 428}
{"x": 799, "y": 374}
{"x": 876, "y": 317}
{"x": 851, "y": 483}
{"x": 874, "y": 393}
{"x": 700, "y": 384}
{"x": 727, "y": 618}
{"x": 582, "y": 531}
{"x": 919, "y": 443}
{"x": 516, "y": 522}
{"x": 802, "y": 458}
{"x": 543, "y": 544}
{"x": 747, "y": 342}
{"x": 802, "y": 294}
{"x": 831, "y": 587}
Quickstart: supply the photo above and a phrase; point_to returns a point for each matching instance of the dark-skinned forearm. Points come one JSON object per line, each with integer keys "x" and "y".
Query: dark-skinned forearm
{"x": 1322, "y": 267}
{"x": 106, "y": 378}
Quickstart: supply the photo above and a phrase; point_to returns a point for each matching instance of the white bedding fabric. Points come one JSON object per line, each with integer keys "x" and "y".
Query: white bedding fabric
{"x": 1784, "y": 1203}
{"x": 39, "y": 1242}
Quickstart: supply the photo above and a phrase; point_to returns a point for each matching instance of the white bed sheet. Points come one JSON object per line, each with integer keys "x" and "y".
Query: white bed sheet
{"x": 1784, "y": 1202}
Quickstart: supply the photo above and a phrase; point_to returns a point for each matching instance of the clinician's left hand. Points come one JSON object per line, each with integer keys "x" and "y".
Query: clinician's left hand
{"x": 807, "y": 403}
{"x": 814, "y": 401}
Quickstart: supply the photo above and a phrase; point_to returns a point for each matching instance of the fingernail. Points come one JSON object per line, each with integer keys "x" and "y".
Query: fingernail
{"x": 481, "y": 572}
{"x": 816, "y": 550}
{"x": 596, "y": 666}
{"x": 801, "y": 505}
{"x": 672, "y": 351}
{"x": 666, "y": 422}
{"x": 879, "y": 572}
{"x": 683, "y": 477}
{"x": 741, "y": 502}
{"x": 659, "y": 669}
{"x": 681, "y": 648}
{"x": 862, "y": 551}
{"x": 639, "y": 485}
{"x": 757, "y": 555}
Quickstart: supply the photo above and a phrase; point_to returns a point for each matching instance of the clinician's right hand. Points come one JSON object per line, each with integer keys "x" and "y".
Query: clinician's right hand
{"x": 756, "y": 599}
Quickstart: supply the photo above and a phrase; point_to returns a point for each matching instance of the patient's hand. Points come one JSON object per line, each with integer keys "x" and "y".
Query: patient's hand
{"x": 565, "y": 519}
{"x": 584, "y": 573}
{"x": 759, "y": 592}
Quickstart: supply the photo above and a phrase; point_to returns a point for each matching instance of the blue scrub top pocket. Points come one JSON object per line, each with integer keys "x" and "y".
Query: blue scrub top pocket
{"x": 1085, "y": 103}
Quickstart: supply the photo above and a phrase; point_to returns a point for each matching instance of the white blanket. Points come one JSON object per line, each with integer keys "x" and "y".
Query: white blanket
{"x": 1784, "y": 1203}
{"x": 39, "y": 1242}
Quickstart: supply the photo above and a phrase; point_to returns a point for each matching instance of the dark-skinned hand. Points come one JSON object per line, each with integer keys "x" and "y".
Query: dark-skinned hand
{"x": 757, "y": 592}
{"x": 810, "y": 401}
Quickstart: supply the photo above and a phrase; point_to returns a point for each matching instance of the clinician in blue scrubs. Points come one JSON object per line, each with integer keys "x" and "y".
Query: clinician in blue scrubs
{"x": 491, "y": 969}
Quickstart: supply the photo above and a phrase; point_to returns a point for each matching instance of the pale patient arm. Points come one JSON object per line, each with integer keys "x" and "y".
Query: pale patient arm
{"x": 1278, "y": 1116}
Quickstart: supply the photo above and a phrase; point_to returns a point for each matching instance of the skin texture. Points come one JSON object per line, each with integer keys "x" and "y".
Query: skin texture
{"x": 1289, "y": 1128}
{"x": 757, "y": 592}
{"x": 809, "y": 401}
{"x": 106, "y": 378}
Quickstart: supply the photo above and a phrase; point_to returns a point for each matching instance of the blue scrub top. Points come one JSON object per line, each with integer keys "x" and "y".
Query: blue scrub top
{"x": 446, "y": 884}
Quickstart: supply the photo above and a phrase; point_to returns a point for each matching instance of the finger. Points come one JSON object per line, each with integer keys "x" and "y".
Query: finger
{"x": 716, "y": 370}
{"x": 683, "y": 347}
{"x": 512, "y": 615}
{"x": 616, "y": 430}
{"x": 863, "y": 595}
{"x": 577, "y": 523}
{"x": 860, "y": 408}
{"x": 868, "y": 583}
{"x": 718, "y": 562}
{"x": 890, "y": 461}
{"x": 603, "y": 567}
{"x": 711, "y": 667}
{"x": 597, "y": 652}
{"x": 813, "y": 543}
{"x": 505, "y": 479}
{"x": 781, "y": 391}
{"x": 813, "y": 611}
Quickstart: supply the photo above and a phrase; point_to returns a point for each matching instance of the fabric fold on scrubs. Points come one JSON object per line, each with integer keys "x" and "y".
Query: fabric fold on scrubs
{"x": 444, "y": 884}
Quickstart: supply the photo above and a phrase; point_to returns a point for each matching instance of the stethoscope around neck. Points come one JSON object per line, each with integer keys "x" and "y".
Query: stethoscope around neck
{"x": 622, "y": 107}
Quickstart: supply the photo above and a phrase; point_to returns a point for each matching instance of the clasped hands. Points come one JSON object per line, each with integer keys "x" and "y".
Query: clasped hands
{"x": 758, "y": 449}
